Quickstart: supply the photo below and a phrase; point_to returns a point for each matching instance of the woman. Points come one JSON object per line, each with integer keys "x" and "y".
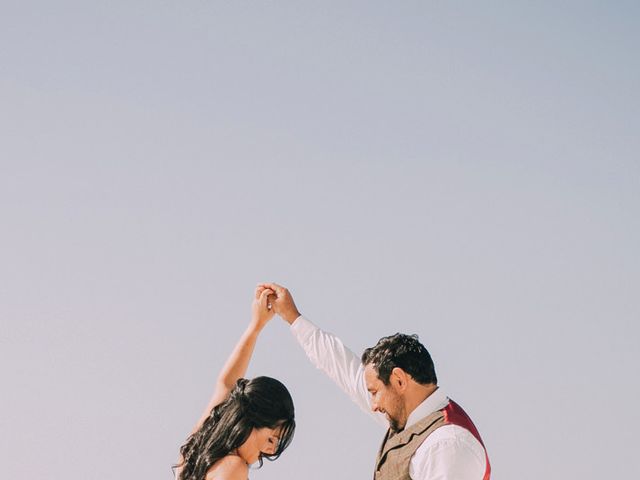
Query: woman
{"x": 246, "y": 420}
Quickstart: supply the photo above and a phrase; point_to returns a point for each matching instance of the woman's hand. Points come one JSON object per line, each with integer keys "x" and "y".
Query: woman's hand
{"x": 261, "y": 310}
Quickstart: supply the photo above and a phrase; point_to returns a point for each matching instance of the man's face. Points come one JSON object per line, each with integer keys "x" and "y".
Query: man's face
{"x": 385, "y": 399}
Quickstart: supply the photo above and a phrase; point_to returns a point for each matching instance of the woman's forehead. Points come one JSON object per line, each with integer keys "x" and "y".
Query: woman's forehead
{"x": 277, "y": 431}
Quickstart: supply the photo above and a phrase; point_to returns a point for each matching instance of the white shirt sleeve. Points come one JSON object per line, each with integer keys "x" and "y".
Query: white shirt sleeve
{"x": 449, "y": 453}
{"x": 327, "y": 353}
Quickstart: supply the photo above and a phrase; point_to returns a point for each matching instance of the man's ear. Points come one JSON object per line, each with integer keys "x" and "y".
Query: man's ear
{"x": 399, "y": 379}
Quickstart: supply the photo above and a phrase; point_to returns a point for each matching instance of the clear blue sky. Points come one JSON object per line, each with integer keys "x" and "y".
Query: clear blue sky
{"x": 466, "y": 171}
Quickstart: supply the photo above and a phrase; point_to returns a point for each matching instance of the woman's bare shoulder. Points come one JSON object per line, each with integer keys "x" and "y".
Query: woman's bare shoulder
{"x": 230, "y": 467}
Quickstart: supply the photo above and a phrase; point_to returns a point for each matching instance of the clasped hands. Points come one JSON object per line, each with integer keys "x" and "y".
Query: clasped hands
{"x": 271, "y": 298}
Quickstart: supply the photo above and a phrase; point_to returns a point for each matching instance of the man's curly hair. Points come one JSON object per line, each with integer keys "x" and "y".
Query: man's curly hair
{"x": 402, "y": 351}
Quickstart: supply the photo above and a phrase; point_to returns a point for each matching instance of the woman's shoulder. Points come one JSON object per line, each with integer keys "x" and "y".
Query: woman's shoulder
{"x": 230, "y": 467}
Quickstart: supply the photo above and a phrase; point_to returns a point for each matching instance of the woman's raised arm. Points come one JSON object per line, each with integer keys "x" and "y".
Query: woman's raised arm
{"x": 237, "y": 363}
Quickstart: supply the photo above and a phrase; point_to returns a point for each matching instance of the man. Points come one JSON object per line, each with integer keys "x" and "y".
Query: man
{"x": 429, "y": 436}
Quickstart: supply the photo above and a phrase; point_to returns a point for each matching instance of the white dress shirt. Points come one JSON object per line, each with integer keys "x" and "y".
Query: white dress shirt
{"x": 450, "y": 452}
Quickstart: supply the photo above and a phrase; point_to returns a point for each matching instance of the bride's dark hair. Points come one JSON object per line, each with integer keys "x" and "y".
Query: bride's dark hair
{"x": 256, "y": 403}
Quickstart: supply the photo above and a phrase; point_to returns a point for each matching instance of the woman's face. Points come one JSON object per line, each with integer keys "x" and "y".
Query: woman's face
{"x": 261, "y": 440}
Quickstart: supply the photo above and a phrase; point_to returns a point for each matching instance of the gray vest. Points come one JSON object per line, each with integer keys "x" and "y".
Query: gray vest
{"x": 397, "y": 449}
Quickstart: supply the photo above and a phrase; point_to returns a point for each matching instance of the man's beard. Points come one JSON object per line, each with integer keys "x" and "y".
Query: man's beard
{"x": 394, "y": 425}
{"x": 394, "y": 421}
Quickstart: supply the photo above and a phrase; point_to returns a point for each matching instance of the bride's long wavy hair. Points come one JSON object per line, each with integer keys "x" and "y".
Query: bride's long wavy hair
{"x": 256, "y": 403}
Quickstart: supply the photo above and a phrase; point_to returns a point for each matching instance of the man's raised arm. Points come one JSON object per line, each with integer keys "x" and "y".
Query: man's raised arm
{"x": 325, "y": 351}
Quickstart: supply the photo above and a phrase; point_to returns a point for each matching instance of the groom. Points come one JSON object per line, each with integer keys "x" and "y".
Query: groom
{"x": 429, "y": 436}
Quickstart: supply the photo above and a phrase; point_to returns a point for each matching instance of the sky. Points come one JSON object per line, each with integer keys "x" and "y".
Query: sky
{"x": 466, "y": 171}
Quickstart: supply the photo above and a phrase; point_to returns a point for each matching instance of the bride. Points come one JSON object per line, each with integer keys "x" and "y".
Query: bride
{"x": 246, "y": 420}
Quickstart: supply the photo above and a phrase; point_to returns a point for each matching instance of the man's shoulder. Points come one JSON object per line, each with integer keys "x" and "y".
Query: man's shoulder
{"x": 450, "y": 451}
{"x": 453, "y": 438}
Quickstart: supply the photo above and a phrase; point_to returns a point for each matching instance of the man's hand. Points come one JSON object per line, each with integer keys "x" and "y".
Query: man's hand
{"x": 283, "y": 303}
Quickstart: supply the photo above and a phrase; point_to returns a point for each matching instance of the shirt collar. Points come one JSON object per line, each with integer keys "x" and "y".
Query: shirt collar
{"x": 434, "y": 402}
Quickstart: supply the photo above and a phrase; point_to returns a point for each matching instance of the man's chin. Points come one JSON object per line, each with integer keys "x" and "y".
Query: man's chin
{"x": 394, "y": 425}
